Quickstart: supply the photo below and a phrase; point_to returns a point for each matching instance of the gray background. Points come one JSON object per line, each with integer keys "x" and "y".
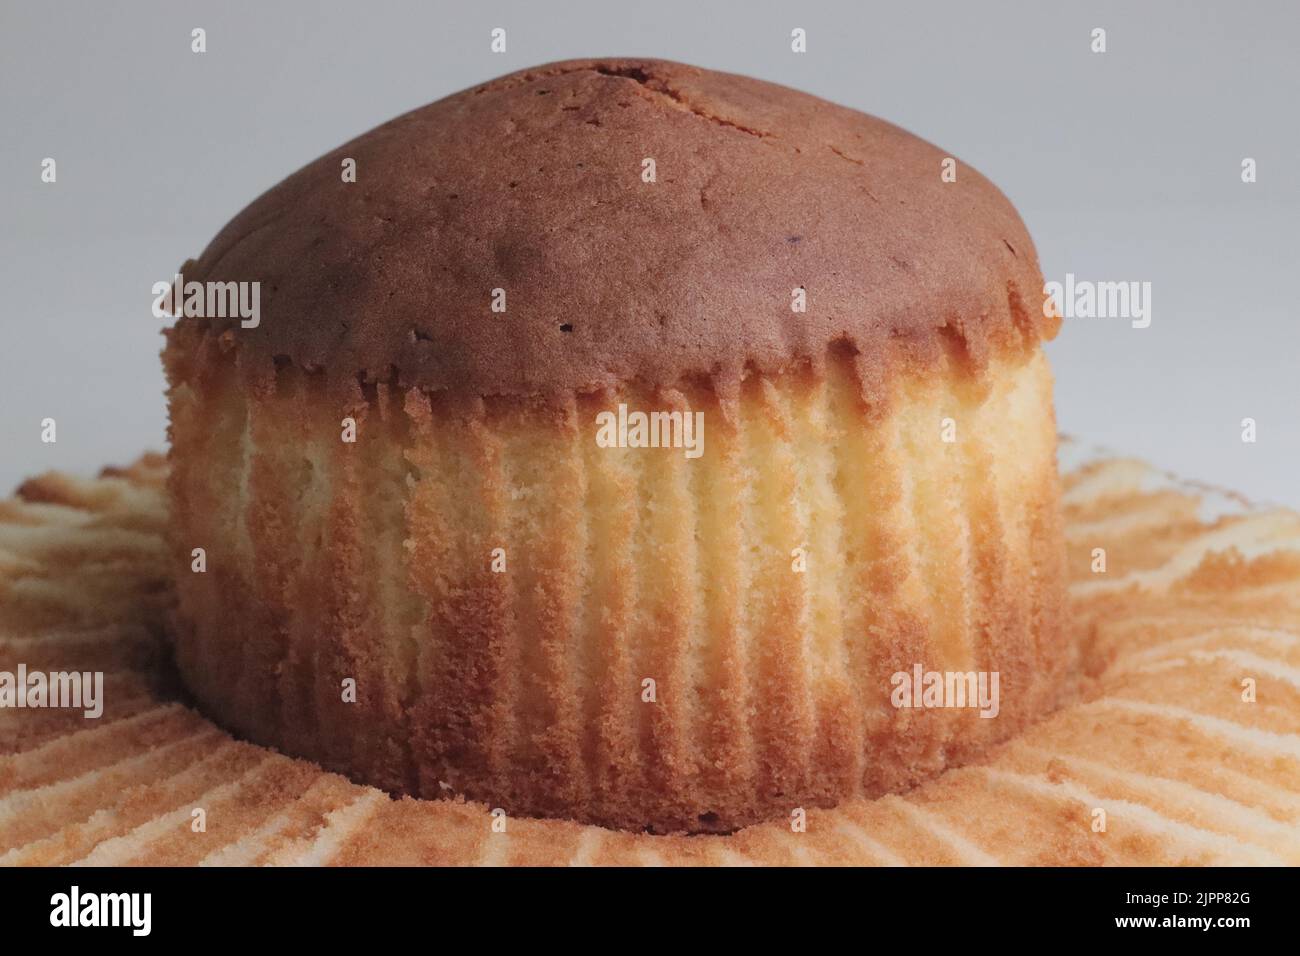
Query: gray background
{"x": 1126, "y": 166}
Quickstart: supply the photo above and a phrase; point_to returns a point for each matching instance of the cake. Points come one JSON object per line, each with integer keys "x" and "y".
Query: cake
{"x": 421, "y": 534}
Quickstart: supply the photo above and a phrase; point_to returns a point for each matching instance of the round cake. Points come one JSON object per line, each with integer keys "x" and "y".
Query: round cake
{"x": 622, "y": 442}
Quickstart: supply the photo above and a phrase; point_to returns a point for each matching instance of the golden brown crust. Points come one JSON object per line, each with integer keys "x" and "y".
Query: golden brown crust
{"x": 372, "y": 561}
{"x": 1186, "y": 771}
{"x": 533, "y": 184}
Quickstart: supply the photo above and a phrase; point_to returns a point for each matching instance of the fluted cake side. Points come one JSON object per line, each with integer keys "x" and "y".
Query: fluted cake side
{"x": 501, "y": 587}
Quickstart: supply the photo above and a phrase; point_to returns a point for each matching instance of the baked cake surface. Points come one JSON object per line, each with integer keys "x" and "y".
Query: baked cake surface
{"x": 1158, "y": 736}
{"x": 429, "y": 566}
{"x": 533, "y": 183}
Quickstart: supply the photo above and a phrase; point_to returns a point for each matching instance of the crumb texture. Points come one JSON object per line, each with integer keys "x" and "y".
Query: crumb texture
{"x": 769, "y": 589}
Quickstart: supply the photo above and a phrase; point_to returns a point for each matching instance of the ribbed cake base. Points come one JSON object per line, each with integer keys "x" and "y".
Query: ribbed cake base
{"x": 478, "y": 597}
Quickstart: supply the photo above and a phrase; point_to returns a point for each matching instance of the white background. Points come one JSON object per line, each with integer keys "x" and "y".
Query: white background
{"x": 1126, "y": 166}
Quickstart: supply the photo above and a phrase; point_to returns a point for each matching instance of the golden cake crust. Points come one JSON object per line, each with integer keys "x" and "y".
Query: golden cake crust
{"x": 532, "y": 184}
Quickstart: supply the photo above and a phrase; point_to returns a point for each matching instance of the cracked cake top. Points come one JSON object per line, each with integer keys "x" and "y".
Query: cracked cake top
{"x": 644, "y": 220}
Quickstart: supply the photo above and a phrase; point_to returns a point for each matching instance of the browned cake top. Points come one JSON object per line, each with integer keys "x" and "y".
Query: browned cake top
{"x": 533, "y": 184}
